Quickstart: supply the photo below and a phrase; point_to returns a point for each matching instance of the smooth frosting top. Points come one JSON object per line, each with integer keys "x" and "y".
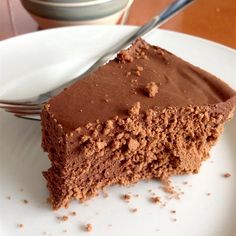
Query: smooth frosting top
{"x": 143, "y": 73}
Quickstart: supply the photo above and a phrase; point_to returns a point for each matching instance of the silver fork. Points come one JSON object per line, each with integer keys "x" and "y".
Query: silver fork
{"x": 31, "y": 108}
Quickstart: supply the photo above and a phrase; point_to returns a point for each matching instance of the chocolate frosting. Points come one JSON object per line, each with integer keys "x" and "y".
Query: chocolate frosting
{"x": 115, "y": 87}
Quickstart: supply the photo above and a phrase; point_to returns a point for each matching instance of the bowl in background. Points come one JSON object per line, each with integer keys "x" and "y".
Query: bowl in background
{"x": 56, "y": 13}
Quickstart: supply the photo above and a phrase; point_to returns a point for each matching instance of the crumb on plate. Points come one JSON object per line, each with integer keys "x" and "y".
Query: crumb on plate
{"x": 226, "y": 175}
{"x": 88, "y": 227}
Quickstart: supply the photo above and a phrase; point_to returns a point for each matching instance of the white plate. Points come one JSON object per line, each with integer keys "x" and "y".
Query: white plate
{"x": 34, "y": 62}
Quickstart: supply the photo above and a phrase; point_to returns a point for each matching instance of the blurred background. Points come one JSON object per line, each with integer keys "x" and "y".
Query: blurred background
{"x": 211, "y": 19}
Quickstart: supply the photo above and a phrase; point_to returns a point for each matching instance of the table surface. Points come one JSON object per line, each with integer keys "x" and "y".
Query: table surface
{"x": 211, "y": 19}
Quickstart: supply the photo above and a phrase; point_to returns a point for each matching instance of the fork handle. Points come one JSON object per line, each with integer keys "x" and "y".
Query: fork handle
{"x": 165, "y": 15}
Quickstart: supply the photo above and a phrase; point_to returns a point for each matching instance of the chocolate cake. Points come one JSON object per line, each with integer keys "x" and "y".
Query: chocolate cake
{"x": 146, "y": 114}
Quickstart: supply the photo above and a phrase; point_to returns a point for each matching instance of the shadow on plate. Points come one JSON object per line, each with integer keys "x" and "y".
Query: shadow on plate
{"x": 22, "y": 159}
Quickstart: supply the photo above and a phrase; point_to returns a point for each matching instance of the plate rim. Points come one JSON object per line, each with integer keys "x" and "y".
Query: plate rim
{"x": 31, "y": 34}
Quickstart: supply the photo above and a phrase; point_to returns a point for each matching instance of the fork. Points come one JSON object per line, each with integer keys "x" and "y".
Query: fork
{"x": 30, "y": 108}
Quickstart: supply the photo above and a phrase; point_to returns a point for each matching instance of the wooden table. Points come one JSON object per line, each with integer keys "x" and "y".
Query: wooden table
{"x": 211, "y": 19}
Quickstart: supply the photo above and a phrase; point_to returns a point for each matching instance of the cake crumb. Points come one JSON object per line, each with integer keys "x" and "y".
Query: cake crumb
{"x": 25, "y": 201}
{"x": 109, "y": 127}
{"x": 8, "y": 197}
{"x": 126, "y": 197}
{"x": 60, "y": 126}
{"x": 124, "y": 57}
{"x": 47, "y": 106}
{"x": 144, "y": 57}
{"x": 107, "y": 100}
{"x": 208, "y": 194}
{"x": 155, "y": 199}
{"x": 151, "y": 89}
{"x": 101, "y": 145}
{"x": 20, "y": 226}
{"x": 174, "y": 219}
{"x": 173, "y": 211}
{"x": 78, "y": 129}
{"x": 226, "y": 175}
{"x": 133, "y": 144}
{"x": 136, "y": 195}
{"x": 64, "y": 231}
{"x": 48, "y": 200}
{"x": 138, "y": 73}
{"x": 64, "y": 218}
{"x": 73, "y": 213}
{"x": 135, "y": 109}
{"x": 139, "y": 68}
{"x": 105, "y": 195}
{"x": 133, "y": 210}
{"x": 168, "y": 188}
{"x": 88, "y": 227}
{"x": 185, "y": 182}
{"x": 128, "y": 73}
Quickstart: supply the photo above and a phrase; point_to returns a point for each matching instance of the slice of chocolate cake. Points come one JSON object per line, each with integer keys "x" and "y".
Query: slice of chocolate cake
{"x": 146, "y": 114}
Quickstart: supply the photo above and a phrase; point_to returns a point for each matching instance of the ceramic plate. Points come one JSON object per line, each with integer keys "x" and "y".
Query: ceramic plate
{"x": 35, "y": 62}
